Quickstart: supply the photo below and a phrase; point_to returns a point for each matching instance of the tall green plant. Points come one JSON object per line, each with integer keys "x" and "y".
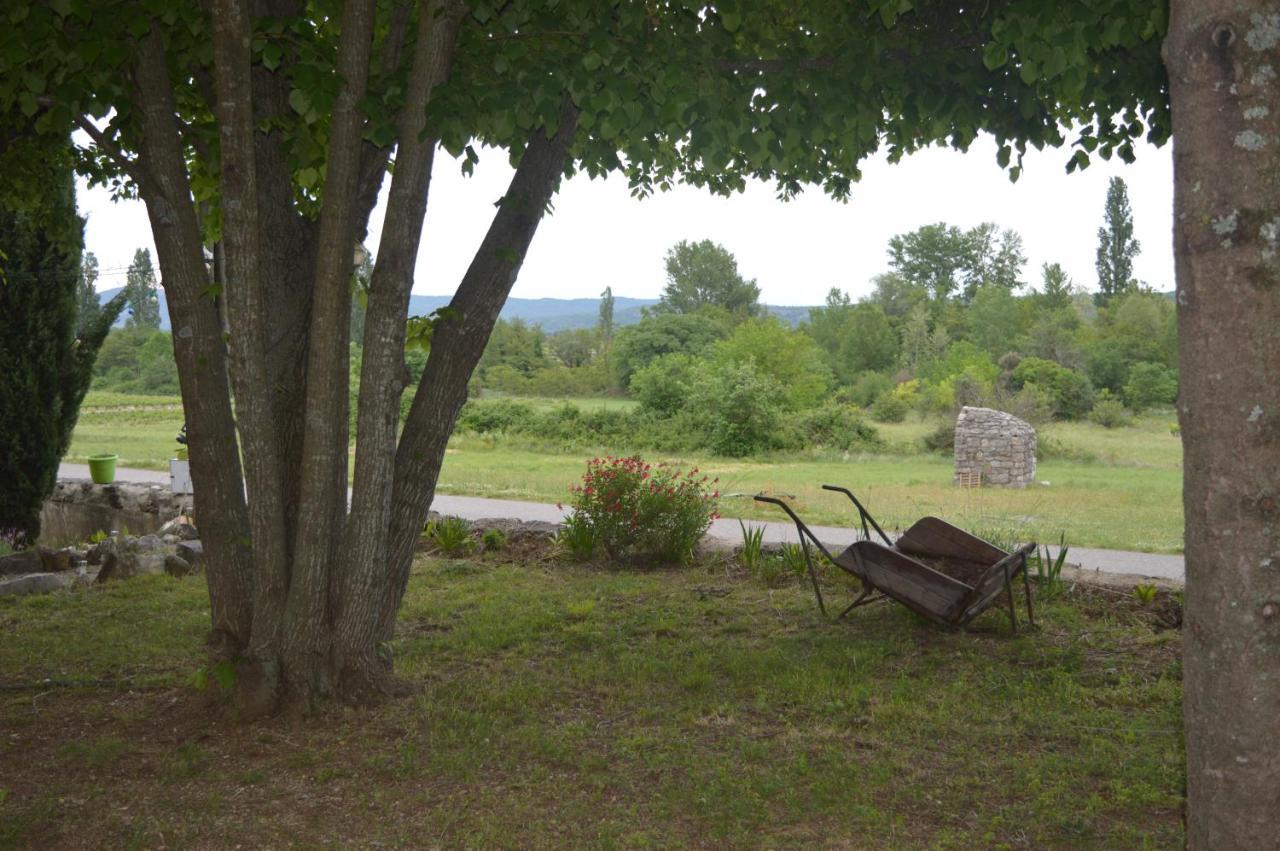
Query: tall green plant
{"x": 46, "y": 366}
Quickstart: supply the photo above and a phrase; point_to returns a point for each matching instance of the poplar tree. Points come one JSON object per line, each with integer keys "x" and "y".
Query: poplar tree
{"x": 1116, "y": 246}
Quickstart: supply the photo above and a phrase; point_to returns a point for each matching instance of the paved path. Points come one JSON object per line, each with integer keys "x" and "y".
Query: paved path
{"x": 726, "y": 530}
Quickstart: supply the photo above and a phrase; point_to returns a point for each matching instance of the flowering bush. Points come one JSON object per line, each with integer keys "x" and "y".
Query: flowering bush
{"x": 648, "y": 510}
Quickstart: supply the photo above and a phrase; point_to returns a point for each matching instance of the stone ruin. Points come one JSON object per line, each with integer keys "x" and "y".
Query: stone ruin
{"x": 994, "y": 448}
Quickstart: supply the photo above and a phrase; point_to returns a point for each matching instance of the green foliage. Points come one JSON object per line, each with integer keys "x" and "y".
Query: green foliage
{"x": 1145, "y": 593}
{"x": 493, "y": 540}
{"x": 1055, "y": 291}
{"x": 751, "y": 556}
{"x": 140, "y": 292}
{"x": 636, "y": 509}
{"x": 137, "y": 360}
{"x": 450, "y": 535}
{"x": 664, "y": 385}
{"x": 704, "y": 274}
{"x": 636, "y": 346}
{"x": 514, "y": 353}
{"x": 944, "y": 262}
{"x": 1150, "y": 384}
{"x": 739, "y": 410}
{"x": 1070, "y": 391}
{"x": 1048, "y": 569}
{"x": 1109, "y": 412}
{"x": 577, "y": 537}
{"x": 1116, "y": 245}
{"x": 869, "y": 387}
{"x": 786, "y": 357}
{"x": 45, "y": 364}
{"x": 854, "y": 338}
{"x": 893, "y": 406}
{"x": 839, "y": 427}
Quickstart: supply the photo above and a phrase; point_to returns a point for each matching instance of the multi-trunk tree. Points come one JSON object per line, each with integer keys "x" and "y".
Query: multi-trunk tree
{"x": 265, "y": 131}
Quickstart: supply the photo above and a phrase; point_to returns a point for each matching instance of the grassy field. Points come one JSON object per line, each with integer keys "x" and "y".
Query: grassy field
{"x": 1119, "y": 488}
{"x": 566, "y": 706}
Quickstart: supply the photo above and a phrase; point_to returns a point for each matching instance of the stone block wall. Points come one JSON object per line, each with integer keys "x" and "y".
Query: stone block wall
{"x": 994, "y": 448}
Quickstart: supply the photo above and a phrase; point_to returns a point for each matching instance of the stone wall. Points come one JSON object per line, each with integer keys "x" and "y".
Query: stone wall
{"x": 78, "y": 508}
{"x": 994, "y": 448}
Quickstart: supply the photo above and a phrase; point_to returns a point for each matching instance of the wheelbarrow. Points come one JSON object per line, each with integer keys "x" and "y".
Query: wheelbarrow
{"x": 935, "y": 569}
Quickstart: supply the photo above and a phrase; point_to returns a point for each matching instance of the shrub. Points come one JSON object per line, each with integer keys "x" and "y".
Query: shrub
{"x": 837, "y": 427}
{"x": 1071, "y": 392}
{"x": 1150, "y": 384}
{"x": 737, "y": 410}
{"x": 638, "y": 509}
{"x": 894, "y": 405}
{"x": 1108, "y": 412}
{"x": 493, "y": 540}
{"x": 663, "y": 385}
{"x": 868, "y": 388}
{"x": 483, "y": 416}
{"x": 942, "y": 439}
{"x": 890, "y": 409}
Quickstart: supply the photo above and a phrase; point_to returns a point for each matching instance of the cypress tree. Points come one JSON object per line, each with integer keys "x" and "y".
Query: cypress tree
{"x": 45, "y": 362}
{"x": 140, "y": 284}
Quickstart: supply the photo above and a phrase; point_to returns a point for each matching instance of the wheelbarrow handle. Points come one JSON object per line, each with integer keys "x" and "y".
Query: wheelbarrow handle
{"x": 803, "y": 530}
{"x": 866, "y": 515}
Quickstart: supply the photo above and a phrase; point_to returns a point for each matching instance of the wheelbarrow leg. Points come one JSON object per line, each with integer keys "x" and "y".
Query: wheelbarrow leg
{"x": 1008, "y": 587}
{"x": 860, "y": 600}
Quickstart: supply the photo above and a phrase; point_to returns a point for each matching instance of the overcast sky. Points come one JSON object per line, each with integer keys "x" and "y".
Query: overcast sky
{"x": 599, "y": 236}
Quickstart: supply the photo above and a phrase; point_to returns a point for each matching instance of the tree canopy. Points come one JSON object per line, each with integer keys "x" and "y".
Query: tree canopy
{"x": 705, "y": 275}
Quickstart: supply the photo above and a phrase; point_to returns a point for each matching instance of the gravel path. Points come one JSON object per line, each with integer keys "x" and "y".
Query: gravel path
{"x": 724, "y": 531}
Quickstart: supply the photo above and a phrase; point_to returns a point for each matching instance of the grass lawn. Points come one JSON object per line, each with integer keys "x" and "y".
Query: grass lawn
{"x": 564, "y": 706}
{"x": 1117, "y": 488}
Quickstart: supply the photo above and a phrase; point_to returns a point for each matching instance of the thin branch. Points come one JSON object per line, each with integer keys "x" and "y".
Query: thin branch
{"x": 134, "y": 169}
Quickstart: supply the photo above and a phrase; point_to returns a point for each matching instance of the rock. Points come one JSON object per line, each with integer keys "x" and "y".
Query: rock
{"x": 518, "y": 530}
{"x": 57, "y": 561}
{"x": 125, "y": 558}
{"x": 192, "y": 552}
{"x": 26, "y": 561}
{"x": 179, "y": 527}
{"x": 178, "y": 566}
{"x": 36, "y": 583}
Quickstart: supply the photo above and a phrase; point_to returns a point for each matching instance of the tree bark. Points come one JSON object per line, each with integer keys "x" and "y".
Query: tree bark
{"x": 246, "y": 311}
{"x": 382, "y": 380}
{"x": 199, "y": 352}
{"x": 322, "y": 505}
{"x": 1221, "y": 56}
{"x": 458, "y": 342}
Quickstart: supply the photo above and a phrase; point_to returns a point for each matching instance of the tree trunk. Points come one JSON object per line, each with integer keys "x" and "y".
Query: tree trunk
{"x": 358, "y": 596}
{"x": 458, "y": 342}
{"x": 1221, "y": 56}
{"x": 200, "y": 355}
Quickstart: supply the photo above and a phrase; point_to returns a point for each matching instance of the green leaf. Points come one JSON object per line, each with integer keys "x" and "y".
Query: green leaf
{"x": 592, "y": 61}
{"x": 995, "y": 56}
{"x": 731, "y": 21}
{"x": 300, "y": 102}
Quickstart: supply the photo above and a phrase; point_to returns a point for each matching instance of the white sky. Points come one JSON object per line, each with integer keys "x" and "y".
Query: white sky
{"x": 796, "y": 251}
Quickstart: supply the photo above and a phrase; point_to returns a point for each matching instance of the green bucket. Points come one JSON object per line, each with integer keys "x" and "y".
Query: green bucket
{"x": 102, "y": 468}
